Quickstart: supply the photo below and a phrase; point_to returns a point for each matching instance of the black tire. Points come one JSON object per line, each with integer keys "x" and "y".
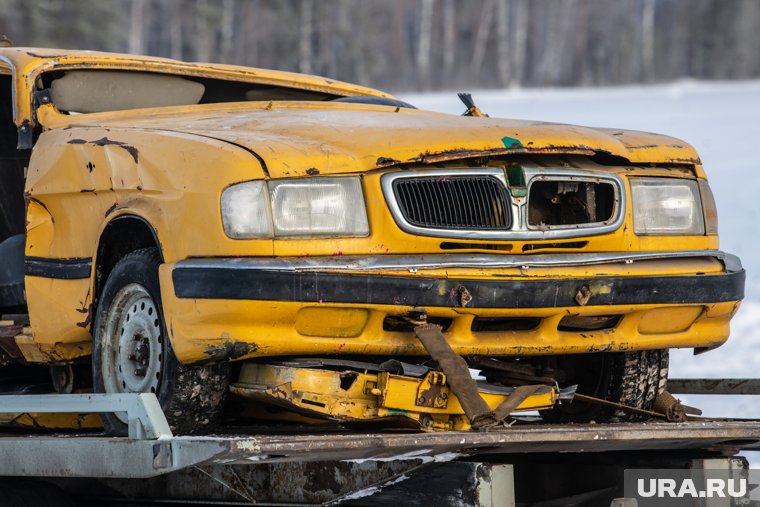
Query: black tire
{"x": 631, "y": 378}
{"x": 192, "y": 397}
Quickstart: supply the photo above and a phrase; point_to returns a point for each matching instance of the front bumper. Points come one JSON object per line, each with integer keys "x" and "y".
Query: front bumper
{"x": 220, "y": 309}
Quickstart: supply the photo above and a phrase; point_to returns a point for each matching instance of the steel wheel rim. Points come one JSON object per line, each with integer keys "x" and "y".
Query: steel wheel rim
{"x": 132, "y": 351}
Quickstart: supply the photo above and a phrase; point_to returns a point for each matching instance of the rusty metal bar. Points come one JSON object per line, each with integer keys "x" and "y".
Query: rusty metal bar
{"x": 714, "y": 386}
{"x": 620, "y": 406}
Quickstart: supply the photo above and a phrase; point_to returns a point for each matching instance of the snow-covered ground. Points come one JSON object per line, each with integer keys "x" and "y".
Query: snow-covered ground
{"x": 722, "y": 120}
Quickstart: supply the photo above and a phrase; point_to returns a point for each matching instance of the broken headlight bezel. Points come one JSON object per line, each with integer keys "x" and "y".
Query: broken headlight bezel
{"x": 295, "y": 208}
{"x": 666, "y": 207}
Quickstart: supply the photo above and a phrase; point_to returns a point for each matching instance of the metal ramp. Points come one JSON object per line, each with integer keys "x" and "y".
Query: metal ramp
{"x": 151, "y": 449}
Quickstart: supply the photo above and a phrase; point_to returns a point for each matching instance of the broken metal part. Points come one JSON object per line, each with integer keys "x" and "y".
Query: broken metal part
{"x": 558, "y": 203}
{"x": 472, "y": 109}
{"x": 583, "y": 295}
{"x": 464, "y": 296}
{"x": 672, "y": 407}
{"x": 267, "y": 391}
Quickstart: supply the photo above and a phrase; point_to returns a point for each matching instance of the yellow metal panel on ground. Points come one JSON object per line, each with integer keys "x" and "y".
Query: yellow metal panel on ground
{"x": 355, "y": 396}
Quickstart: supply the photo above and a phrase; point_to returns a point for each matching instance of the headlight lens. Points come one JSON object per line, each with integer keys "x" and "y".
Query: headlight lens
{"x": 296, "y": 208}
{"x": 245, "y": 211}
{"x": 666, "y": 206}
{"x": 708, "y": 205}
{"x": 323, "y": 207}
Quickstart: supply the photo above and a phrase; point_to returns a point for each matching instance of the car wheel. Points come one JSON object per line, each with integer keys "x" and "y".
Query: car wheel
{"x": 132, "y": 352}
{"x": 634, "y": 379}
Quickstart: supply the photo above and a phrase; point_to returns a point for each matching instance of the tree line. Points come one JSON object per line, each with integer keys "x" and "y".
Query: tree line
{"x": 403, "y": 45}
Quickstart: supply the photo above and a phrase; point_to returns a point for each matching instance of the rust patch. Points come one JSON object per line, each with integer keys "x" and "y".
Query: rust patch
{"x": 386, "y": 161}
{"x": 88, "y": 320}
{"x": 460, "y": 153}
{"x": 111, "y": 209}
{"x": 312, "y": 171}
{"x": 104, "y": 141}
{"x": 690, "y": 161}
{"x": 464, "y": 296}
{"x": 643, "y": 147}
{"x": 108, "y": 142}
{"x": 583, "y": 295}
{"x": 229, "y": 351}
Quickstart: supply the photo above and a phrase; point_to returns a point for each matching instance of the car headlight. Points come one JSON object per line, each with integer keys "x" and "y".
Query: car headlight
{"x": 317, "y": 207}
{"x": 666, "y": 206}
{"x": 246, "y": 213}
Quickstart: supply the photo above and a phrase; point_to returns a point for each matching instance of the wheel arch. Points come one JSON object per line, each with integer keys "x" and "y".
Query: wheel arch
{"x": 122, "y": 235}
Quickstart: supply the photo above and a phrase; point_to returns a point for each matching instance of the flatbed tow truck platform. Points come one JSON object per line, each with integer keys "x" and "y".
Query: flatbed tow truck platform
{"x": 527, "y": 463}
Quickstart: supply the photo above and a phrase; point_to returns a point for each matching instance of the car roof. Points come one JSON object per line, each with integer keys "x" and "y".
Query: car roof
{"x": 28, "y": 63}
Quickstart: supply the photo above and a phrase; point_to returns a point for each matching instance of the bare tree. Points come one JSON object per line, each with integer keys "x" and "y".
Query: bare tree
{"x": 306, "y": 31}
{"x": 519, "y": 41}
{"x": 449, "y": 38}
{"x": 423, "y": 46}
{"x": 647, "y": 40}
{"x": 137, "y": 26}
{"x": 228, "y": 29}
{"x": 174, "y": 11}
{"x": 502, "y": 37}
{"x": 481, "y": 38}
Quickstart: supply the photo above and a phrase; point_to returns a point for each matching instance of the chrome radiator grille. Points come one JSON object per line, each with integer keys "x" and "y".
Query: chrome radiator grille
{"x": 472, "y": 202}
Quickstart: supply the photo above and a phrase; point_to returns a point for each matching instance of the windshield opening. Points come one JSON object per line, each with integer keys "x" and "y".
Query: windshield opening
{"x": 97, "y": 91}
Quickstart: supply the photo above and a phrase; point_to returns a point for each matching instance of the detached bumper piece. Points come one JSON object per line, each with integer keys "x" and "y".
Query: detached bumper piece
{"x": 349, "y": 391}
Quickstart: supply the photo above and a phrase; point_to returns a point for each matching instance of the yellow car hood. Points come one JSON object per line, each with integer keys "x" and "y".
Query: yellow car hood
{"x": 297, "y": 138}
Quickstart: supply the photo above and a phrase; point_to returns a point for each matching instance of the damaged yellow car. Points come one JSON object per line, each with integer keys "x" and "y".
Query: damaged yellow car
{"x": 194, "y": 229}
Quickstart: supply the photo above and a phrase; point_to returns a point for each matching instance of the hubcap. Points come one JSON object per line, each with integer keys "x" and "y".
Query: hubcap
{"x": 133, "y": 350}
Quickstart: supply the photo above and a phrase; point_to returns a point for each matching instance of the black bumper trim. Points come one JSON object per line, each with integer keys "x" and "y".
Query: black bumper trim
{"x": 321, "y": 287}
{"x": 64, "y": 269}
